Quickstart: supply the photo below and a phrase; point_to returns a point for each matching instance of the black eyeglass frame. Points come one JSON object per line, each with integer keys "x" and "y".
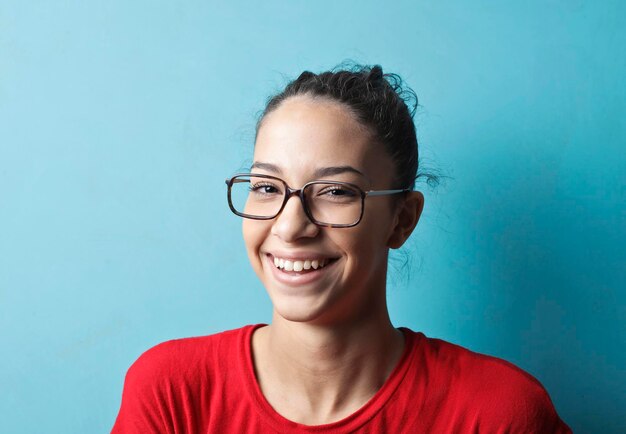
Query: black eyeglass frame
{"x": 300, "y": 193}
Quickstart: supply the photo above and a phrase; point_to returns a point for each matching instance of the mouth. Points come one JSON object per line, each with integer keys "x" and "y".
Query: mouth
{"x": 300, "y": 266}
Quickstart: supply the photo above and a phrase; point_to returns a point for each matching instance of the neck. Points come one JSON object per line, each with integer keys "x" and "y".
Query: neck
{"x": 328, "y": 372}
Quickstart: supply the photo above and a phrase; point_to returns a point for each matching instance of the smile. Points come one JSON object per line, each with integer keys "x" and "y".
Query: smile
{"x": 300, "y": 265}
{"x": 299, "y": 270}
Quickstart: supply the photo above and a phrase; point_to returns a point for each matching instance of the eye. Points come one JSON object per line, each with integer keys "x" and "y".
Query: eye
{"x": 265, "y": 188}
{"x": 338, "y": 193}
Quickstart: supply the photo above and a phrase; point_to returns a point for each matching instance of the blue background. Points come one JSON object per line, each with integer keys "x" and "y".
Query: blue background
{"x": 120, "y": 120}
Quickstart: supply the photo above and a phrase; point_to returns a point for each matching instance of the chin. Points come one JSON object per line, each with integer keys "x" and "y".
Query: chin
{"x": 328, "y": 309}
{"x": 297, "y": 308}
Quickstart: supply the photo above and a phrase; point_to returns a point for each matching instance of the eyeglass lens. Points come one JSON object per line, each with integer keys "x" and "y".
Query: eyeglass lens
{"x": 327, "y": 203}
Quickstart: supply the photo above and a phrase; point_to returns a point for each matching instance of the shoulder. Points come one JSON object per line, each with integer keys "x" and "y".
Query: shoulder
{"x": 486, "y": 373}
{"x": 182, "y": 359}
{"x": 491, "y": 390}
{"x": 177, "y": 378}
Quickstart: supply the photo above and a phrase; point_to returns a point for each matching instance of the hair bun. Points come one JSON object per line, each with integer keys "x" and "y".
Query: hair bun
{"x": 376, "y": 73}
{"x": 306, "y": 75}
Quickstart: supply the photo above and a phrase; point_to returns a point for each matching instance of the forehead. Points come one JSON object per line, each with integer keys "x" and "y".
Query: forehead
{"x": 305, "y": 134}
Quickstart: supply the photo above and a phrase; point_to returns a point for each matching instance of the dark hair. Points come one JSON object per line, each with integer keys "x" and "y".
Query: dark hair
{"x": 380, "y": 101}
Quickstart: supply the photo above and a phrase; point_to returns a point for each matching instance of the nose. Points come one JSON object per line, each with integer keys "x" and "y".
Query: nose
{"x": 293, "y": 223}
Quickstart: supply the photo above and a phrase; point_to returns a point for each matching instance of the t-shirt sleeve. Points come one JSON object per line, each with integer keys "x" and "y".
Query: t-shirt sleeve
{"x": 543, "y": 418}
{"x": 532, "y": 411}
{"x": 514, "y": 402}
{"x": 477, "y": 393}
{"x": 146, "y": 401}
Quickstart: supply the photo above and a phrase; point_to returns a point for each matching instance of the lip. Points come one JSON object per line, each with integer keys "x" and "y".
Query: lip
{"x": 292, "y": 279}
{"x": 299, "y": 256}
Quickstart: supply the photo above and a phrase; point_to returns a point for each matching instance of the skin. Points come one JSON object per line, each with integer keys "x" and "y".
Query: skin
{"x": 331, "y": 344}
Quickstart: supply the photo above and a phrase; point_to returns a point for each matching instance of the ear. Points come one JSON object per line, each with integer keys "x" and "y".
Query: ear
{"x": 407, "y": 216}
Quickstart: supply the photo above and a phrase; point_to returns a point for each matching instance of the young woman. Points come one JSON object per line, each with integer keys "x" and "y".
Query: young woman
{"x": 330, "y": 191}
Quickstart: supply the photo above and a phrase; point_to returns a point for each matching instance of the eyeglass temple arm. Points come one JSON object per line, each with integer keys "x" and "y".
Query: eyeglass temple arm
{"x": 385, "y": 192}
{"x": 232, "y": 180}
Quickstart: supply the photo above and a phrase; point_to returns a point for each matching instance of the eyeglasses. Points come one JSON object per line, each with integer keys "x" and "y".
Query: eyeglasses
{"x": 326, "y": 203}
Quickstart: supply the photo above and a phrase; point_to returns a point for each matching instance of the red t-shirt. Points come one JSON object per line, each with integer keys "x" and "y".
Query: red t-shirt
{"x": 207, "y": 385}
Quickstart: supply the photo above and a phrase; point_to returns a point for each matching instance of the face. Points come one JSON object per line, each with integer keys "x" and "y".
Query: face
{"x": 296, "y": 142}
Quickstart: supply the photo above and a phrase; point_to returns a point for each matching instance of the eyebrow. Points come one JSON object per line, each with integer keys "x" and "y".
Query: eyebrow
{"x": 337, "y": 170}
{"x": 319, "y": 173}
{"x": 266, "y": 166}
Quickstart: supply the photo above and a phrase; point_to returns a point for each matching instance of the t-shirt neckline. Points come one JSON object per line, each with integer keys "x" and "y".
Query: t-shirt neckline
{"x": 347, "y": 424}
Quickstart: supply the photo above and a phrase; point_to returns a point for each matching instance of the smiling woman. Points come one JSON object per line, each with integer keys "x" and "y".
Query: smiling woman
{"x": 329, "y": 193}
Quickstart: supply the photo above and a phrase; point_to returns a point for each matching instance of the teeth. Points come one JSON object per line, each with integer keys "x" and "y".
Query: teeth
{"x": 297, "y": 266}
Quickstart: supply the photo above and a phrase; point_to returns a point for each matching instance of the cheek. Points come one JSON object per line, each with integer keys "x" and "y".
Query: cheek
{"x": 253, "y": 237}
{"x": 365, "y": 246}
{"x": 376, "y": 226}
{"x": 368, "y": 246}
